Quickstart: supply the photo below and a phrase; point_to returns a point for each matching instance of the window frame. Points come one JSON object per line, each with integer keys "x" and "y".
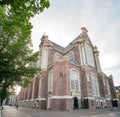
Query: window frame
{"x": 73, "y": 85}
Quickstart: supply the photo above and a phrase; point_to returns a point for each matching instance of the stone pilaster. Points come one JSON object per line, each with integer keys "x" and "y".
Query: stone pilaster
{"x": 33, "y": 88}
{"x": 96, "y": 54}
{"x": 83, "y": 60}
{"x": 28, "y": 92}
{"x": 111, "y": 84}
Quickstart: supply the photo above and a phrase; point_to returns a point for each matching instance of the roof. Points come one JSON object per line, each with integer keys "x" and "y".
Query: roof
{"x": 57, "y": 46}
{"x": 83, "y": 35}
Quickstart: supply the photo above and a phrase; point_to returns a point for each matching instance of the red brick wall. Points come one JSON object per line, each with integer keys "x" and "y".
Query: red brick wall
{"x": 62, "y": 104}
{"x": 30, "y": 93}
{"x": 101, "y": 86}
{"x": 36, "y": 89}
{"x": 84, "y": 83}
{"x": 43, "y": 92}
{"x": 77, "y": 54}
{"x": 60, "y": 78}
{"x": 113, "y": 94}
{"x": 50, "y": 56}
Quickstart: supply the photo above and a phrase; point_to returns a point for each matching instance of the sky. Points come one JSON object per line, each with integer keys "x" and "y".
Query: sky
{"x": 63, "y": 20}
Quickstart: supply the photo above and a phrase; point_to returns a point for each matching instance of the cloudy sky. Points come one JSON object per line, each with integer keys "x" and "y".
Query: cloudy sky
{"x": 62, "y": 22}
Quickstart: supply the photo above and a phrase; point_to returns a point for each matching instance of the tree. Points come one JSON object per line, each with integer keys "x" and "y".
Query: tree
{"x": 16, "y": 55}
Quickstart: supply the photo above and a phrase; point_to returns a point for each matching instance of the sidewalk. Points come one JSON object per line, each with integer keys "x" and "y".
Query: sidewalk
{"x": 28, "y": 112}
{"x": 13, "y": 112}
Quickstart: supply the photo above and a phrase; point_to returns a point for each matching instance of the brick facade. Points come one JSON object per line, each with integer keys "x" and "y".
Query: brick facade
{"x": 71, "y": 77}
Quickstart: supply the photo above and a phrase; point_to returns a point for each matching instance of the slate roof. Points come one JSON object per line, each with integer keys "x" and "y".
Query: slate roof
{"x": 57, "y": 46}
{"x": 63, "y": 49}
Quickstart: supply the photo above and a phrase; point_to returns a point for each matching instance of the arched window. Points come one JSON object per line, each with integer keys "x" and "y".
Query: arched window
{"x": 71, "y": 56}
{"x": 94, "y": 85}
{"x": 50, "y": 82}
{"x": 58, "y": 56}
{"x": 74, "y": 80}
{"x": 89, "y": 55}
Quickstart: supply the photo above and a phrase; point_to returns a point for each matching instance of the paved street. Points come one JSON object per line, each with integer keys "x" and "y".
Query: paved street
{"x": 13, "y": 112}
{"x": 26, "y": 112}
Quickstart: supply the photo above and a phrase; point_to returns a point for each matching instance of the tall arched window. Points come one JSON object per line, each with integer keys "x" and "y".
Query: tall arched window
{"x": 94, "y": 85}
{"x": 50, "y": 82}
{"x": 74, "y": 80}
{"x": 89, "y": 55}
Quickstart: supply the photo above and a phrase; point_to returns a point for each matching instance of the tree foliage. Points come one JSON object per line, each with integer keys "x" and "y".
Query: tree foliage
{"x": 16, "y": 55}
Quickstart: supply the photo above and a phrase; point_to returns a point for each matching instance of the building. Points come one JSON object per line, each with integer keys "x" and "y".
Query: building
{"x": 117, "y": 90}
{"x": 71, "y": 77}
{"x": 12, "y": 99}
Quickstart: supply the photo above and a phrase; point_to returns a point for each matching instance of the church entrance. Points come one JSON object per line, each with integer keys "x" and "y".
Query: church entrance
{"x": 75, "y": 99}
{"x": 86, "y": 103}
{"x": 114, "y": 103}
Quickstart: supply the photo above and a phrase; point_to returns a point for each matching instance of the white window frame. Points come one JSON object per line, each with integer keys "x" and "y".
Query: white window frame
{"x": 89, "y": 55}
{"x": 74, "y": 87}
{"x": 71, "y": 56}
{"x": 94, "y": 85}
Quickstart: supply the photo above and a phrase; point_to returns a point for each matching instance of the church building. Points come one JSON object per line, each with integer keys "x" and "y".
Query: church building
{"x": 70, "y": 77}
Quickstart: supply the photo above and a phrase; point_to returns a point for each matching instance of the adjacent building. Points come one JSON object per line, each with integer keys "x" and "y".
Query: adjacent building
{"x": 12, "y": 99}
{"x": 71, "y": 77}
{"x": 117, "y": 90}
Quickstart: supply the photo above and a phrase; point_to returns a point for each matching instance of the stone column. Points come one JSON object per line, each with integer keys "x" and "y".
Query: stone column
{"x": 28, "y": 92}
{"x": 112, "y": 89}
{"x": 24, "y": 94}
{"x": 96, "y": 53}
{"x": 39, "y": 90}
{"x": 81, "y": 59}
{"x": 33, "y": 87}
{"x": 82, "y": 54}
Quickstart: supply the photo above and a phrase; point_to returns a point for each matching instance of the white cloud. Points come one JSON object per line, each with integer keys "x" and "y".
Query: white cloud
{"x": 63, "y": 20}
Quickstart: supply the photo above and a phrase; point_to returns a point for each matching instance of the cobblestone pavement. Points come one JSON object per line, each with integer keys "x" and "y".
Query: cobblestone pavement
{"x": 27, "y": 112}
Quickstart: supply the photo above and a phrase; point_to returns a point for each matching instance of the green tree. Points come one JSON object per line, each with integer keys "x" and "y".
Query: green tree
{"x": 16, "y": 55}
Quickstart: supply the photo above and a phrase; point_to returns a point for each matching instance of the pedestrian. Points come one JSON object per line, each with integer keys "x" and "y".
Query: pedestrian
{"x": 101, "y": 105}
{"x": 17, "y": 106}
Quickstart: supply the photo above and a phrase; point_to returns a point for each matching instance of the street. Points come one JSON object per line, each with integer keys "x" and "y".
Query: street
{"x": 27, "y": 112}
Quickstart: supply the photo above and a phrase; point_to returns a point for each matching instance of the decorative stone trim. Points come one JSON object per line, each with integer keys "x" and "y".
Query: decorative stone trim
{"x": 42, "y": 98}
{"x": 91, "y": 98}
{"x": 62, "y": 97}
{"x": 108, "y": 98}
